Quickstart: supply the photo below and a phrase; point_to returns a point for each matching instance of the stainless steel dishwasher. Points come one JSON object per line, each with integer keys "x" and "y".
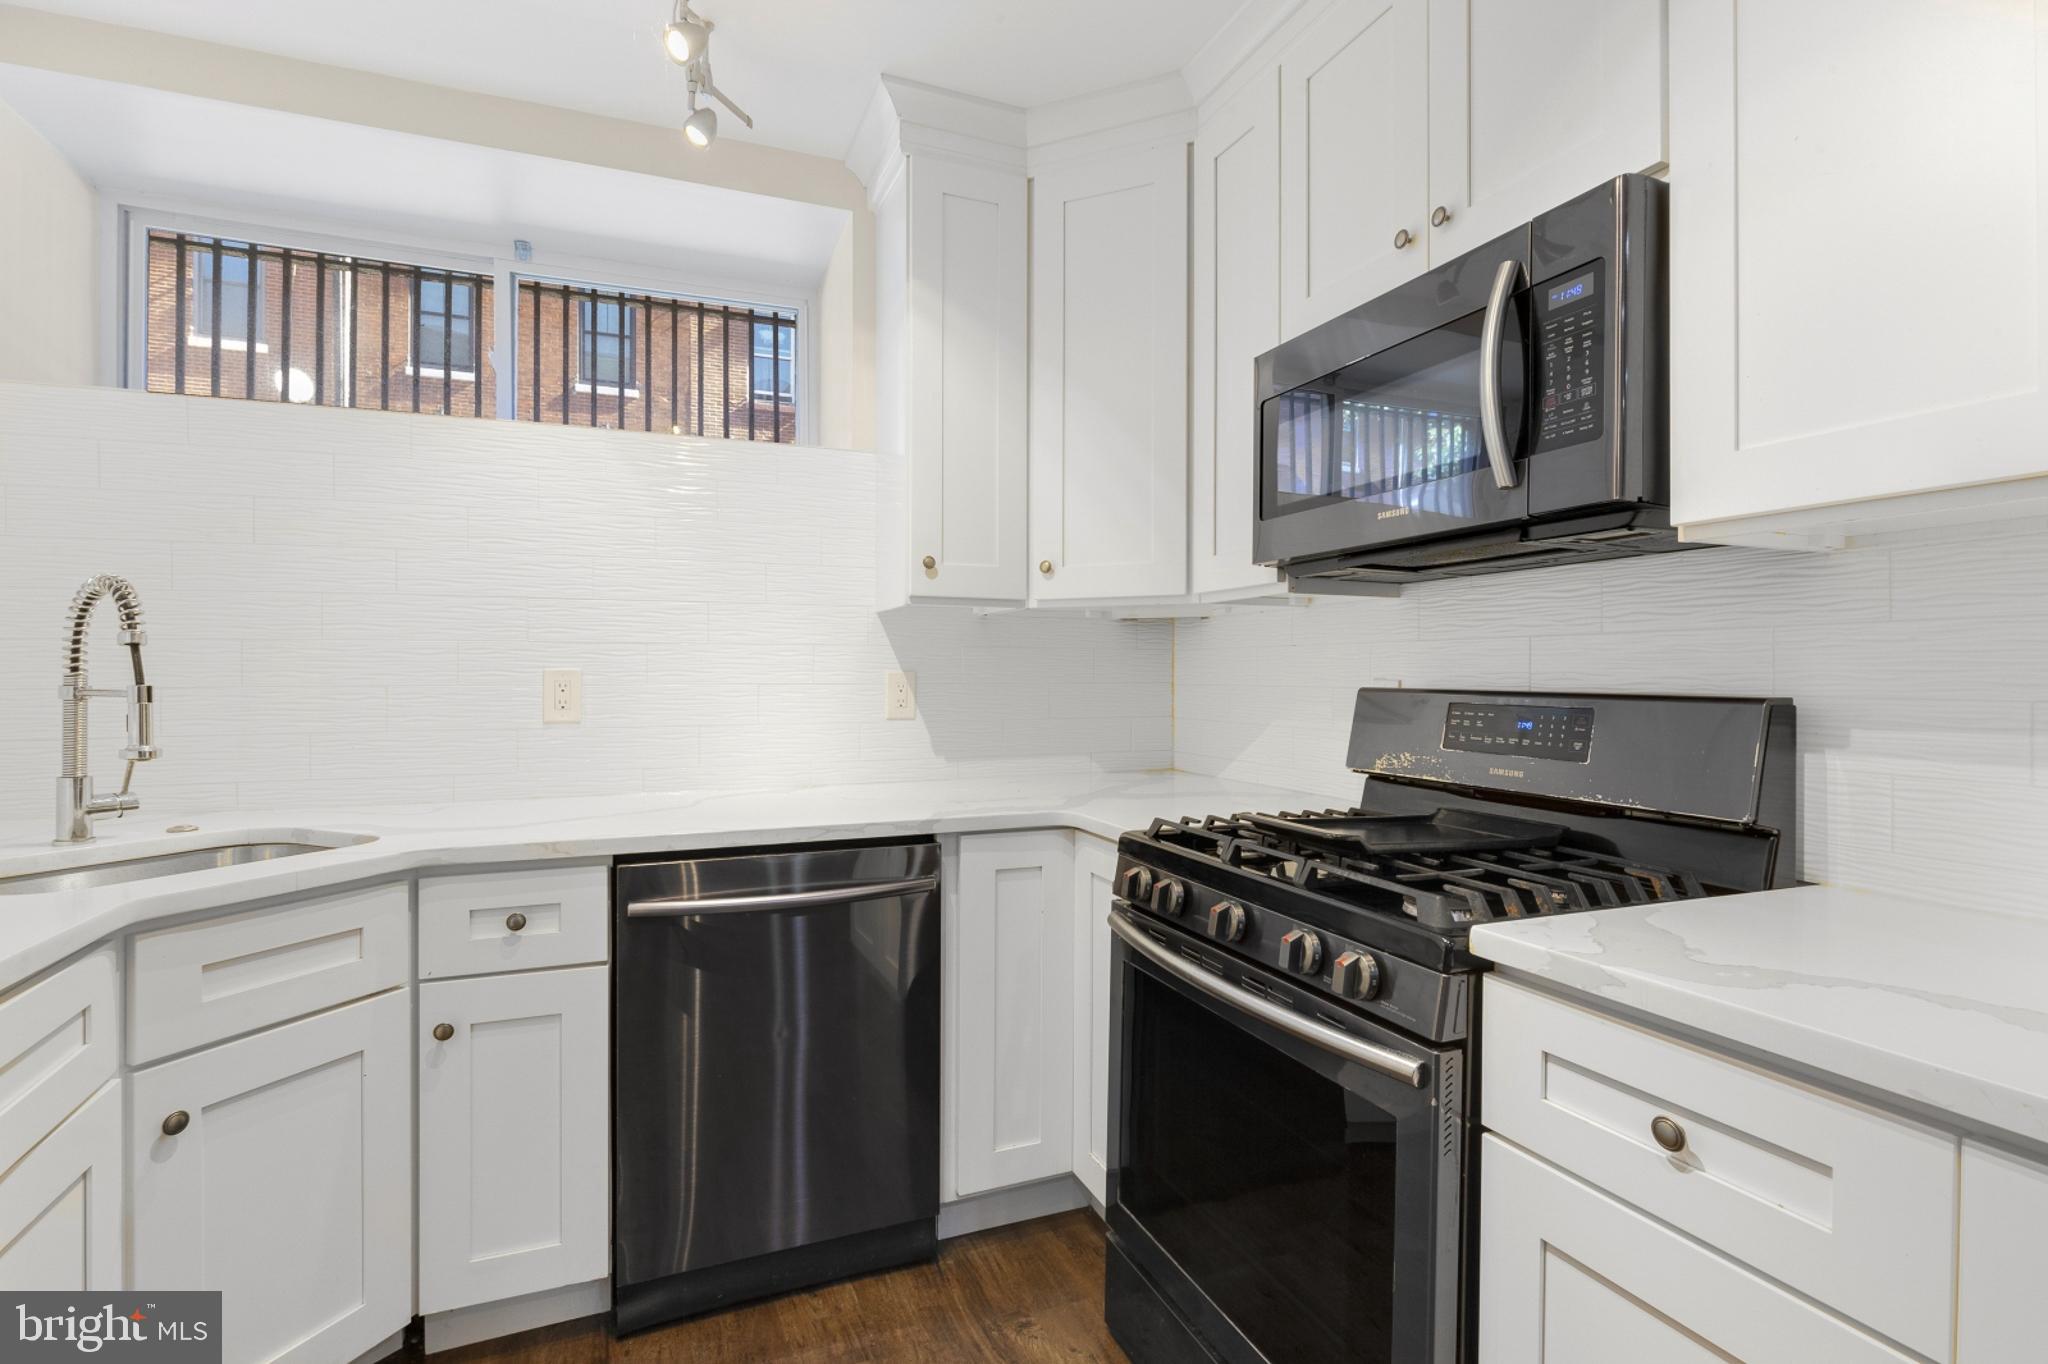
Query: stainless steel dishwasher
{"x": 775, "y": 1075}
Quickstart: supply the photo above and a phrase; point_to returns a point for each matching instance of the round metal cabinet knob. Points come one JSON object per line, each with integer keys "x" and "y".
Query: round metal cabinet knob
{"x": 931, "y": 567}
{"x": 515, "y": 921}
{"x": 443, "y": 1031}
{"x": 1439, "y": 216}
{"x": 1403, "y": 239}
{"x": 1045, "y": 567}
{"x": 177, "y": 1123}
{"x": 1668, "y": 1133}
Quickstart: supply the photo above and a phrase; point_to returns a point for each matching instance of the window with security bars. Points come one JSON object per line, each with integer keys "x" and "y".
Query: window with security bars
{"x": 236, "y": 319}
{"x": 648, "y": 362}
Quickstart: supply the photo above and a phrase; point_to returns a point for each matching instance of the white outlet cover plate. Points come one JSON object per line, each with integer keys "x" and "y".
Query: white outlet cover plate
{"x": 899, "y": 696}
{"x": 561, "y": 696}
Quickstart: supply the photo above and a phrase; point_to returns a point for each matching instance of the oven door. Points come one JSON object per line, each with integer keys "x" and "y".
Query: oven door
{"x": 1285, "y": 1174}
{"x": 1403, "y": 419}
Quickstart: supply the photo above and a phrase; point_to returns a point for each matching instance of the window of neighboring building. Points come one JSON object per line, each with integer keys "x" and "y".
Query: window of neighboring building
{"x": 606, "y": 328}
{"x": 653, "y": 362}
{"x": 447, "y": 325}
{"x": 774, "y": 362}
{"x": 331, "y": 330}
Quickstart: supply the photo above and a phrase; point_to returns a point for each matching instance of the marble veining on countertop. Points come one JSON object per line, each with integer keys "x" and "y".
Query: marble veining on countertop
{"x": 37, "y": 930}
{"x": 1941, "y": 1006}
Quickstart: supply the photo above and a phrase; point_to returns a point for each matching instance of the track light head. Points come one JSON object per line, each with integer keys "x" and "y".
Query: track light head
{"x": 701, "y": 127}
{"x": 685, "y": 40}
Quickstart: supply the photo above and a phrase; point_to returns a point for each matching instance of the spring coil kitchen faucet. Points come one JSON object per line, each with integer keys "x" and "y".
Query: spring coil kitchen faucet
{"x": 76, "y": 804}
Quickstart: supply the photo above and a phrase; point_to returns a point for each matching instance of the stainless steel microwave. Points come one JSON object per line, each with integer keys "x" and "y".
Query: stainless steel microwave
{"x": 1506, "y": 410}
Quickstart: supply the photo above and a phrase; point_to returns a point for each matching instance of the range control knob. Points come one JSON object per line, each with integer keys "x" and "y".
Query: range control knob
{"x": 1226, "y": 921}
{"x": 1355, "y": 975}
{"x": 1135, "y": 883}
{"x": 1168, "y": 896}
{"x": 1301, "y": 951}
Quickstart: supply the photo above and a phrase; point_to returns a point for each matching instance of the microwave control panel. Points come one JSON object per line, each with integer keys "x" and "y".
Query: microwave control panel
{"x": 1570, "y": 344}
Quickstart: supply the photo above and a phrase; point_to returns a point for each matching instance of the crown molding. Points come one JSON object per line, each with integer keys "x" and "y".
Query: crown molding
{"x": 906, "y": 117}
{"x": 1231, "y": 46}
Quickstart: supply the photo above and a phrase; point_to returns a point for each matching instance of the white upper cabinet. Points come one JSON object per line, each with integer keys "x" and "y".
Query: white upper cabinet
{"x": 1354, "y": 157}
{"x": 1109, "y": 376}
{"x": 1534, "y": 104}
{"x": 966, "y": 382}
{"x": 1236, "y": 276}
{"x": 1857, "y": 264}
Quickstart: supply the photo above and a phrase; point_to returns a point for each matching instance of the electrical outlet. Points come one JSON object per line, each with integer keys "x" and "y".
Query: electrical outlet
{"x": 561, "y": 696}
{"x": 899, "y": 698}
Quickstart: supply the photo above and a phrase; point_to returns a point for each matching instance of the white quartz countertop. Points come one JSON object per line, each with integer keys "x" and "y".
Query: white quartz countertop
{"x": 1943, "y": 1008}
{"x": 37, "y": 930}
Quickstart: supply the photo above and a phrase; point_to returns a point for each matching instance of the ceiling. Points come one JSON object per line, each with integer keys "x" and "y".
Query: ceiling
{"x": 162, "y": 150}
{"x": 805, "y": 69}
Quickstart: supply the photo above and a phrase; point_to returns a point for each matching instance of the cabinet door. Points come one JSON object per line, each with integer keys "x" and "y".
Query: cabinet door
{"x": 289, "y": 1189}
{"x": 1008, "y": 934}
{"x": 1109, "y": 287}
{"x": 966, "y": 391}
{"x": 60, "y": 1207}
{"x": 514, "y": 1136}
{"x": 1354, "y": 157}
{"x": 1568, "y": 1275}
{"x": 1531, "y": 105}
{"x": 1094, "y": 870}
{"x": 1828, "y": 344}
{"x": 2000, "y": 1314}
{"x": 1236, "y": 272}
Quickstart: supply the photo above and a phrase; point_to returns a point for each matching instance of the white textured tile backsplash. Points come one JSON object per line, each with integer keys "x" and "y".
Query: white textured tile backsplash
{"x": 1921, "y": 675}
{"x": 352, "y": 607}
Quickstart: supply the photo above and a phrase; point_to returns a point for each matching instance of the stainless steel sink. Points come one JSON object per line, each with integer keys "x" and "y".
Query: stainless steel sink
{"x": 148, "y": 868}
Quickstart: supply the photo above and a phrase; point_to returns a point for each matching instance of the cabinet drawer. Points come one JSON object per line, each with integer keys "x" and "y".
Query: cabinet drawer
{"x": 1841, "y": 1202}
{"x": 57, "y": 1045}
{"x": 466, "y": 922}
{"x": 1568, "y": 1275}
{"x": 200, "y": 982}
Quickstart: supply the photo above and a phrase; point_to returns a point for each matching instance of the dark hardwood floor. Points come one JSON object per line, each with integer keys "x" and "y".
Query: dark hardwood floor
{"x": 1030, "y": 1292}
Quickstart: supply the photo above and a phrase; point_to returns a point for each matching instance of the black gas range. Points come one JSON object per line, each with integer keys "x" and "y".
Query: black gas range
{"x": 1292, "y": 1111}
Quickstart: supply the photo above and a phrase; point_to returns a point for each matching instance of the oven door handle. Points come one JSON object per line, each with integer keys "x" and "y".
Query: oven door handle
{"x": 1491, "y": 429}
{"x": 1385, "y": 1060}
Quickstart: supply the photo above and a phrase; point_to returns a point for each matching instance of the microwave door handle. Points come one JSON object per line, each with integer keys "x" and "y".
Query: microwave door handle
{"x": 1490, "y": 429}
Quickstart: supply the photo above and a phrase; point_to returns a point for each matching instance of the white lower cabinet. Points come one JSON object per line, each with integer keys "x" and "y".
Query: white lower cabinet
{"x": 278, "y": 1169}
{"x": 2001, "y": 1314}
{"x": 1569, "y": 1275}
{"x": 1094, "y": 869}
{"x": 1009, "y": 958}
{"x": 514, "y": 1135}
{"x": 60, "y": 1206}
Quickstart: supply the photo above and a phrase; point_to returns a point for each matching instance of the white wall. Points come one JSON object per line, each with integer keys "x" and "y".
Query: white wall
{"x": 1921, "y": 675}
{"x": 356, "y": 607}
{"x": 47, "y": 260}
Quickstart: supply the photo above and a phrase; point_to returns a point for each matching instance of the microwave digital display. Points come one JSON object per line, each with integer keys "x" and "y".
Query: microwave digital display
{"x": 1572, "y": 290}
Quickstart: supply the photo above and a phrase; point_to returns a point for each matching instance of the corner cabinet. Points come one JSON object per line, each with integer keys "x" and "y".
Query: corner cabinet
{"x": 60, "y": 1206}
{"x": 1109, "y": 376}
{"x": 1860, "y": 257}
{"x": 1008, "y": 983}
{"x": 277, "y": 1169}
{"x": 950, "y": 360}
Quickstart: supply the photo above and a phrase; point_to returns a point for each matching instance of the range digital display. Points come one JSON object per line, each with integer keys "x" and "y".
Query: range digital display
{"x": 1553, "y": 733}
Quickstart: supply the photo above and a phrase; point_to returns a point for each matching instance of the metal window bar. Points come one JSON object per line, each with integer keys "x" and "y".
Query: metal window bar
{"x": 703, "y": 364}
{"x": 186, "y": 289}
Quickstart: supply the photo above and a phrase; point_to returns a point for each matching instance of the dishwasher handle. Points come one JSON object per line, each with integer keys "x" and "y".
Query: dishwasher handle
{"x": 676, "y": 906}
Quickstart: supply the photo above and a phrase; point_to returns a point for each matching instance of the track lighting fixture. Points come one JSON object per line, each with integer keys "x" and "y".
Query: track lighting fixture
{"x": 687, "y": 40}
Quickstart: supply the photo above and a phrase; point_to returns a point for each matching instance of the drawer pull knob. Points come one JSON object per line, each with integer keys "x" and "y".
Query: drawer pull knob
{"x": 515, "y": 921}
{"x": 443, "y": 1031}
{"x": 1439, "y": 216}
{"x": 177, "y": 1123}
{"x": 1402, "y": 239}
{"x": 1668, "y": 1133}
